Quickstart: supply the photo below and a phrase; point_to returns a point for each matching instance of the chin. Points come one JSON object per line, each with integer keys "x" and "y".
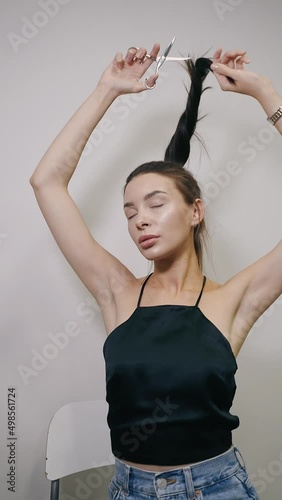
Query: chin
{"x": 155, "y": 256}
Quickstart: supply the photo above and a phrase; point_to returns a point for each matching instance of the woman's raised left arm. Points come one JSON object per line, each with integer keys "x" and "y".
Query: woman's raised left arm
{"x": 257, "y": 286}
{"x": 231, "y": 75}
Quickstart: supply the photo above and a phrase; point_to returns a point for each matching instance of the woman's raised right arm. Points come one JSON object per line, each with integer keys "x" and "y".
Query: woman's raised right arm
{"x": 91, "y": 262}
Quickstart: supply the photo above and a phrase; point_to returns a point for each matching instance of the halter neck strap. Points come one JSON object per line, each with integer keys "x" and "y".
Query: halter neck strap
{"x": 141, "y": 292}
{"x": 143, "y": 285}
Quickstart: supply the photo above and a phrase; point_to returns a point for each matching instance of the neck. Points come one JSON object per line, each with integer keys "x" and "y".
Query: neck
{"x": 178, "y": 276}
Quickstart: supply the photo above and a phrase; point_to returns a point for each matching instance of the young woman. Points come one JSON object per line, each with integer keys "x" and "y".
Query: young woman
{"x": 170, "y": 364}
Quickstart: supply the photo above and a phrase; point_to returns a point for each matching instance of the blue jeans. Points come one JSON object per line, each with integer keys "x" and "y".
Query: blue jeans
{"x": 223, "y": 477}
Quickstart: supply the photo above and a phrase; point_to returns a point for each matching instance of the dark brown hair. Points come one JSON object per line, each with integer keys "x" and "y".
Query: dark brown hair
{"x": 178, "y": 150}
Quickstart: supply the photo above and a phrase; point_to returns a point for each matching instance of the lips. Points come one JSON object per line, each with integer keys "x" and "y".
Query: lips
{"x": 146, "y": 237}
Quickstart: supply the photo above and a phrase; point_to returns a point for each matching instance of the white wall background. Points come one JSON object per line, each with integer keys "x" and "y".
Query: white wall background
{"x": 46, "y": 74}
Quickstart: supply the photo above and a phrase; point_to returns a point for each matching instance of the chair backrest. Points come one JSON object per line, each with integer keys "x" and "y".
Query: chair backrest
{"x": 78, "y": 439}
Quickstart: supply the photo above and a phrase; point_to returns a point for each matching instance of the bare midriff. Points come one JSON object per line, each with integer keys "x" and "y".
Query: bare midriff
{"x": 161, "y": 468}
{"x": 155, "y": 468}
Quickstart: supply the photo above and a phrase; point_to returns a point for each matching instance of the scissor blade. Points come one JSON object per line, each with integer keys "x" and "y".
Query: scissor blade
{"x": 163, "y": 57}
{"x": 167, "y": 50}
{"x": 175, "y": 58}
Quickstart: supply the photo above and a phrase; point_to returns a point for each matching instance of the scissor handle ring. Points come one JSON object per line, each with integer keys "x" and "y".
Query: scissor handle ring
{"x": 143, "y": 59}
{"x": 148, "y": 56}
{"x": 147, "y": 86}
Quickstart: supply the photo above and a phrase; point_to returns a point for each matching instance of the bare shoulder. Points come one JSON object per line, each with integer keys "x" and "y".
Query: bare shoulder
{"x": 218, "y": 303}
{"x": 229, "y": 293}
{"x": 118, "y": 307}
{"x": 221, "y": 303}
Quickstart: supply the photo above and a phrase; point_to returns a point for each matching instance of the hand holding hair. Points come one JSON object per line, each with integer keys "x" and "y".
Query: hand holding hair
{"x": 230, "y": 73}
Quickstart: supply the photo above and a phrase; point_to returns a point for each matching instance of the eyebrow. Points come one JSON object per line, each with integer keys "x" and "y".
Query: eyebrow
{"x": 146, "y": 197}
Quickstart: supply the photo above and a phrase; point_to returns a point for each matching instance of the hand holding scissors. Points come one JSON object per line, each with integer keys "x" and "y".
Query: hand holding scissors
{"x": 124, "y": 75}
{"x": 160, "y": 60}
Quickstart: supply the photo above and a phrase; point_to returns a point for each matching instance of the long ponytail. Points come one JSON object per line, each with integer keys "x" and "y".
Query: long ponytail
{"x": 178, "y": 149}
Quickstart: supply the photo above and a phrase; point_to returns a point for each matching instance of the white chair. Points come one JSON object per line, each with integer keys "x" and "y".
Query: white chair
{"x": 79, "y": 440}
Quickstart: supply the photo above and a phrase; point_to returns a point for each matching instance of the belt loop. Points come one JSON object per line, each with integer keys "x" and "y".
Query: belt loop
{"x": 239, "y": 457}
{"x": 189, "y": 481}
{"x": 126, "y": 475}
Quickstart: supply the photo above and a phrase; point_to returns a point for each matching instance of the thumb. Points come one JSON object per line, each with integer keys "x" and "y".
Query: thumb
{"x": 149, "y": 83}
{"x": 222, "y": 69}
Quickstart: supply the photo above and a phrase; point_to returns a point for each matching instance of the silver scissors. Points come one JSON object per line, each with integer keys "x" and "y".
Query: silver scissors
{"x": 160, "y": 60}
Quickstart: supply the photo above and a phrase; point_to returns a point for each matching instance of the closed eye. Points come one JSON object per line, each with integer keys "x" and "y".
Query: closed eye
{"x": 154, "y": 206}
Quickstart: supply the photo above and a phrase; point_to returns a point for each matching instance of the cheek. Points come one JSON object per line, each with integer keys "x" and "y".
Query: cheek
{"x": 174, "y": 219}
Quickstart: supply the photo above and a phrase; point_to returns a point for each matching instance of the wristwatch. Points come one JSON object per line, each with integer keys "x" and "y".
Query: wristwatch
{"x": 275, "y": 117}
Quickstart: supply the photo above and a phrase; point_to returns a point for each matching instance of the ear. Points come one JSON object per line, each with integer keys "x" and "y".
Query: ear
{"x": 198, "y": 211}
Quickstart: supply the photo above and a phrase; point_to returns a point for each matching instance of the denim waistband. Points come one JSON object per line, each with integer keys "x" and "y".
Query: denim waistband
{"x": 198, "y": 475}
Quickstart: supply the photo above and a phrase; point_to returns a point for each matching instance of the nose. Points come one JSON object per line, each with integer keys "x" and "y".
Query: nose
{"x": 141, "y": 221}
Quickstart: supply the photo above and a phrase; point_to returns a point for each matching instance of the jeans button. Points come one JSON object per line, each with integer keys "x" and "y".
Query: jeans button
{"x": 162, "y": 482}
{"x": 197, "y": 492}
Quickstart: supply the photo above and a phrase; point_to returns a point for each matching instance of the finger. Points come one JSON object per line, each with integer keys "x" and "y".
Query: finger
{"x": 131, "y": 53}
{"x": 151, "y": 57}
{"x": 231, "y": 63}
{"x": 245, "y": 59}
{"x": 225, "y": 82}
{"x": 141, "y": 53}
{"x": 119, "y": 60}
{"x": 223, "y": 70}
{"x": 147, "y": 84}
{"x": 232, "y": 55}
{"x": 221, "y": 80}
{"x": 240, "y": 61}
{"x": 155, "y": 50}
{"x": 151, "y": 81}
{"x": 217, "y": 54}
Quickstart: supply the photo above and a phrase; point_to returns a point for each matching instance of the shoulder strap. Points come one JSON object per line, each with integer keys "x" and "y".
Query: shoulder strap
{"x": 201, "y": 292}
{"x": 141, "y": 292}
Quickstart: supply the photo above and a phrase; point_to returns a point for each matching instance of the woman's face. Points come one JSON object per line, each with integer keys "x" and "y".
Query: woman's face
{"x": 154, "y": 206}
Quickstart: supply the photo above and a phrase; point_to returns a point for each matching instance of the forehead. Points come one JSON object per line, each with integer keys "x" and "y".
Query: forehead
{"x": 144, "y": 183}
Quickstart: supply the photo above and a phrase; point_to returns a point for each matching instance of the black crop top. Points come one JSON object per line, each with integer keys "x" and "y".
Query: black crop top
{"x": 169, "y": 385}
